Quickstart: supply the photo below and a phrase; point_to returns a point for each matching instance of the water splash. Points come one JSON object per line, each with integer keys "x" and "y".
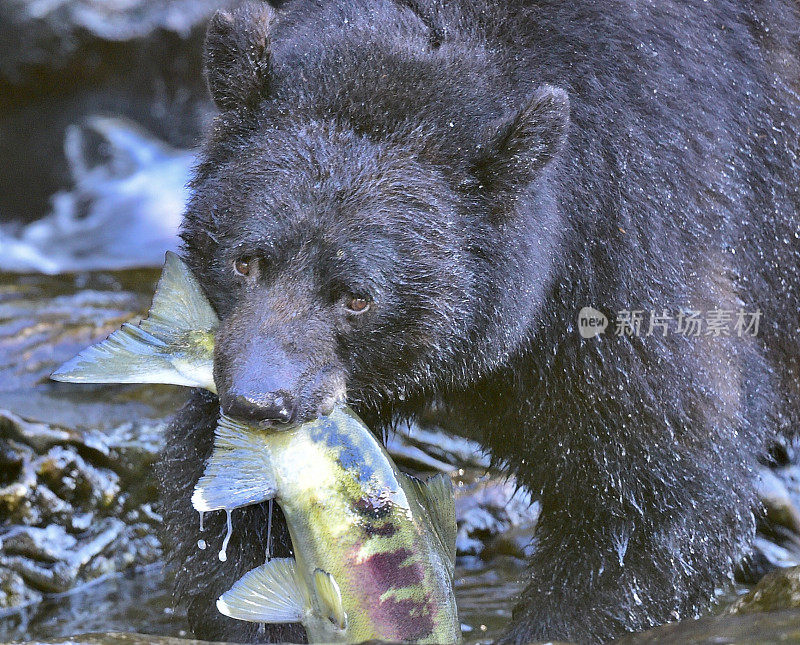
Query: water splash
{"x": 223, "y": 553}
{"x": 202, "y": 517}
{"x": 124, "y": 210}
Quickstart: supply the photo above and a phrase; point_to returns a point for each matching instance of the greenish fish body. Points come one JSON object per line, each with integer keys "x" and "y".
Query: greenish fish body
{"x": 374, "y": 548}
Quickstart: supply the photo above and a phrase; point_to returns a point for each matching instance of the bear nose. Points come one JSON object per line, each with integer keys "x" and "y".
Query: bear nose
{"x": 276, "y": 407}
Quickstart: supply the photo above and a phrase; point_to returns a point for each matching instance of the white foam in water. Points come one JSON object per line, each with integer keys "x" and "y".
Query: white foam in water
{"x": 223, "y": 554}
{"x": 123, "y": 211}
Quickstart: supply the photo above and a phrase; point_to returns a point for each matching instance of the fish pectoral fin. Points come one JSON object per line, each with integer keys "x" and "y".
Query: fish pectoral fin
{"x": 437, "y": 497}
{"x": 143, "y": 354}
{"x": 330, "y": 597}
{"x": 238, "y": 473}
{"x": 271, "y": 593}
{"x": 179, "y": 304}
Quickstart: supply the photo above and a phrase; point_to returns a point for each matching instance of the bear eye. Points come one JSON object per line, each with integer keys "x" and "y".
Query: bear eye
{"x": 357, "y": 305}
{"x": 245, "y": 265}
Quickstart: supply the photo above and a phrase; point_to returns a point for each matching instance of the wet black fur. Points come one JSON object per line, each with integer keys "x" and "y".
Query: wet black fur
{"x": 483, "y": 170}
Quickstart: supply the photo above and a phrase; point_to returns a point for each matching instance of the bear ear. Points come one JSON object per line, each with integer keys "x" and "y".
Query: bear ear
{"x": 519, "y": 147}
{"x": 237, "y": 55}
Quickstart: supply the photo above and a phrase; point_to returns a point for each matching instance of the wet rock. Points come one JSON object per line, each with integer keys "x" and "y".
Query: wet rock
{"x": 780, "y": 506}
{"x": 50, "y": 544}
{"x": 125, "y": 206}
{"x": 72, "y": 479}
{"x": 750, "y": 629}
{"x": 778, "y": 542}
{"x": 431, "y": 448}
{"x": 777, "y": 590}
{"x": 14, "y": 592}
{"x": 61, "y": 504}
{"x": 767, "y": 556}
{"x": 56, "y": 34}
{"x": 61, "y": 60}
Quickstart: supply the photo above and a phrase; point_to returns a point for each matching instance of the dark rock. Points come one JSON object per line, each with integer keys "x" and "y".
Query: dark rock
{"x": 751, "y": 629}
{"x": 777, "y": 590}
{"x": 57, "y": 34}
{"x": 124, "y": 209}
{"x": 61, "y": 504}
{"x": 63, "y": 59}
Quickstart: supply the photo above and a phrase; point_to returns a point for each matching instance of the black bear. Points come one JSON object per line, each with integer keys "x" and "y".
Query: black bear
{"x": 406, "y": 204}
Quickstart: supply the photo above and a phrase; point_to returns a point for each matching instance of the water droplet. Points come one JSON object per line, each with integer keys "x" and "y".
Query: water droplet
{"x": 269, "y": 532}
{"x": 223, "y": 553}
{"x": 202, "y": 517}
{"x": 201, "y": 544}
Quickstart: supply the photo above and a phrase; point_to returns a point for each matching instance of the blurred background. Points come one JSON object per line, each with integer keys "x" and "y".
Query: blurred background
{"x": 101, "y": 105}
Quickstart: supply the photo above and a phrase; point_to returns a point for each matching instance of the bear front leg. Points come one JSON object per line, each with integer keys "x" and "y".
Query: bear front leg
{"x": 635, "y": 531}
{"x": 200, "y": 576}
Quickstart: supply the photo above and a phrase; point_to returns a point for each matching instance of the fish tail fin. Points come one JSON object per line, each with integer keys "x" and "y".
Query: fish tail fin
{"x": 238, "y": 473}
{"x": 179, "y": 304}
{"x": 141, "y": 354}
{"x": 271, "y": 593}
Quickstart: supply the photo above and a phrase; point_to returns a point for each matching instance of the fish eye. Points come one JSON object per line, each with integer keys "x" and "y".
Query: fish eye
{"x": 357, "y": 305}
{"x": 245, "y": 265}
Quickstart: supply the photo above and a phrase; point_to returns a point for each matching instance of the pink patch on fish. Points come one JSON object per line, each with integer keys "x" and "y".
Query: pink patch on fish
{"x": 405, "y": 619}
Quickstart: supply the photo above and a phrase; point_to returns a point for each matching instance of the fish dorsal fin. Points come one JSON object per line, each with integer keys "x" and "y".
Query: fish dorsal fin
{"x": 436, "y": 496}
{"x": 180, "y": 314}
{"x": 330, "y": 597}
{"x": 271, "y": 593}
{"x": 179, "y": 304}
{"x": 238, "y": 473}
